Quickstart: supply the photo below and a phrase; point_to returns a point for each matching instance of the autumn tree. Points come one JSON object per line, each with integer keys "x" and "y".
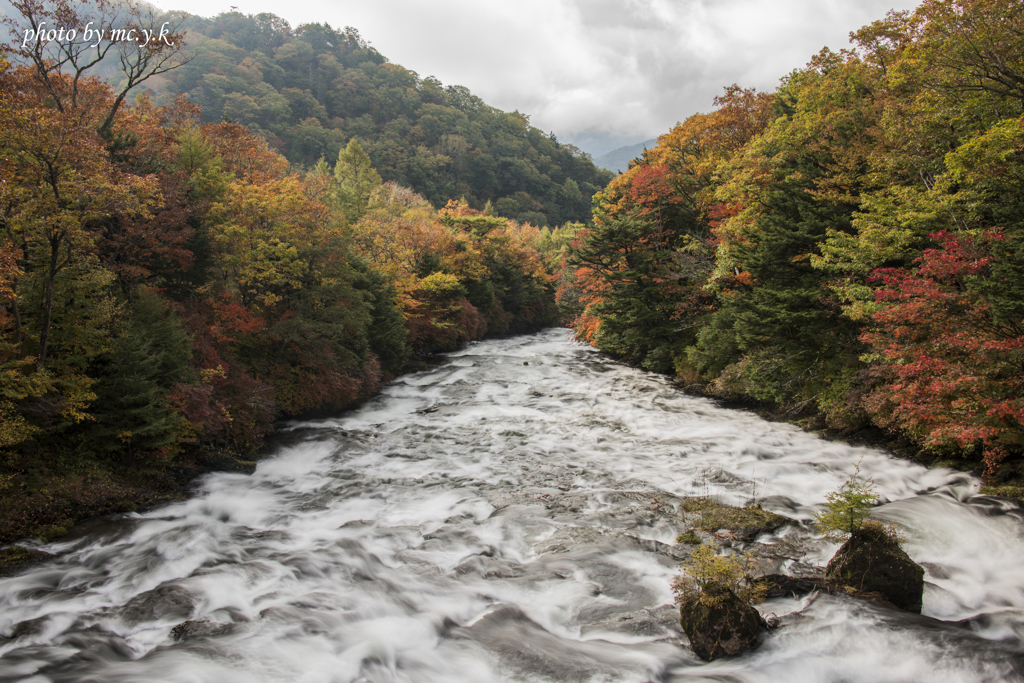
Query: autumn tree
{"x": 64, "y": 185}
{"x": 642, "y": 270}
{"x": 950, "y": 359}
{"x": 631, "y": 255}
{"x": 973, "y": 46}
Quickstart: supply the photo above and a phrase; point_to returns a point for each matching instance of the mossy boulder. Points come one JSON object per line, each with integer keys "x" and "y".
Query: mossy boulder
{"x": 719, "y": 624}
{"x": 1009, "y": 491}
{"x": 872, "y": 562}
{"x": 15, "y": 558}
{"x": 689, "y": 537}
{"x": 744, "y": 523}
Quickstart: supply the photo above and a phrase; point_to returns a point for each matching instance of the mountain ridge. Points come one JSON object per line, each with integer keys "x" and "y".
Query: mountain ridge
{"x": 618, "y": 159}
{"x": 311, "y": 89}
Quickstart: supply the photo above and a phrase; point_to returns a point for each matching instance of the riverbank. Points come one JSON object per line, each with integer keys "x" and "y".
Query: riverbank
{"x": 52, "y": 508}
{"x": 46, "y": 509}
{"x": 1007, "y": 482}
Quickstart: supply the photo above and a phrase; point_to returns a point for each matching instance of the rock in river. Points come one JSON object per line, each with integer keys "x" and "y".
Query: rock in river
{"x": 719, "y": 624}
{"x": 871, "y": 562}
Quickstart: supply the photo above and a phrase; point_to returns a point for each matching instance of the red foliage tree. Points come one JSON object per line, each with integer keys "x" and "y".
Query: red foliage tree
{"x": 951, "y": 371}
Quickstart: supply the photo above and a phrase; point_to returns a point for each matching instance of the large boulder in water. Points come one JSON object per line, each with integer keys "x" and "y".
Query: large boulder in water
{"x": 872, "y": 562}
{"x": 719, "y": 624}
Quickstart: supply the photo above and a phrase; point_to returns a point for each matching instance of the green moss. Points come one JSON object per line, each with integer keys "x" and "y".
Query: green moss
{"x": 688, "y": 537}
{"x": 1014, "y": 492}
{"x": 54, "y": 531}
{"x": 697, "y": 504}
{"x": 13, "y": 555}
{"x": 746, "y": 522}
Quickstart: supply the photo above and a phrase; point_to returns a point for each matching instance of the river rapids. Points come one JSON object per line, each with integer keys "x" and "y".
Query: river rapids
{"x": 510, "y": 515}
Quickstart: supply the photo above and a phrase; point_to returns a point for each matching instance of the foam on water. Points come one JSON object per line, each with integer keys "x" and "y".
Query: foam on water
{"x": 494, "y": 521}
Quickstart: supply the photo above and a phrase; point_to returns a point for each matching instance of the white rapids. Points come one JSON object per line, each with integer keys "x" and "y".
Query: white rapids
{"x": 509, "y": 516}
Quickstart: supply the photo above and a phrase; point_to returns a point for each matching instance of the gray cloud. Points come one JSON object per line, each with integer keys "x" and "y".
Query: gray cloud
{"x": 598, "y": 73}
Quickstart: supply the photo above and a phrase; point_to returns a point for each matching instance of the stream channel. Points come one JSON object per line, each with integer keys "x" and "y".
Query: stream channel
{"x": 510, "y": 515}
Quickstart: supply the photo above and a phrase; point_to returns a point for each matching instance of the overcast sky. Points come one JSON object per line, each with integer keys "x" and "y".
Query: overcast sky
{"x": 598, "y": 73}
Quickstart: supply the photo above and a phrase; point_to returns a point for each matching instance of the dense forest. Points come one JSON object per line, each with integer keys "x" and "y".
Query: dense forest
{"x": 310, "y": 90}
{"x": 170, "y": 285}
{"x": 850, "y": 245}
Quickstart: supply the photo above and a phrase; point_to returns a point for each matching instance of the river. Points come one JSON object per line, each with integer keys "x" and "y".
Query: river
{"x": 510, "y": 516}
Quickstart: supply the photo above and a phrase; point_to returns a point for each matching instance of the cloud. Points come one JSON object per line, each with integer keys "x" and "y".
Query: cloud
{"x": 599, "y": 73}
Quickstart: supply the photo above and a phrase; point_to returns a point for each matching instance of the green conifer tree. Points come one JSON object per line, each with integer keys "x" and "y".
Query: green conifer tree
{"x": 150, "y": 355}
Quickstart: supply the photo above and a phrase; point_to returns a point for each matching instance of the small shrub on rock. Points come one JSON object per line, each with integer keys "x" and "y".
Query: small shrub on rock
{"x": 719, "y": 624}
{"x": 716, "y": 595}
{"x": 849, "y": 509}
{"x": 706, "y": 567}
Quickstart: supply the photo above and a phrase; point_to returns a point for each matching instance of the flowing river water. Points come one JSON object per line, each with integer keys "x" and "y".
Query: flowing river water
{"x": 510, "y": 516}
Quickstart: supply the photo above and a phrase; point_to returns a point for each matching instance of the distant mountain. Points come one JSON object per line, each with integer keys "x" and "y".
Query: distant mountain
{"x": 311, "y": 89}
{"x": 618, "y": 160}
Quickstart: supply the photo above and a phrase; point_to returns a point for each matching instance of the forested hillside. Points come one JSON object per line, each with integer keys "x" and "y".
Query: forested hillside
{"x": 852, "y": 243}
{"x": 170, "y": 285}
{"x": 309, "y": 90}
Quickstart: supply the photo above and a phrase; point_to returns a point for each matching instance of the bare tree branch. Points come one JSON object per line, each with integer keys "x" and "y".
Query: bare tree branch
{"x": 66, "y": 40}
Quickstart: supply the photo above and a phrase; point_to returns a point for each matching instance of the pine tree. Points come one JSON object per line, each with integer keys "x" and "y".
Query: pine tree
{"x": 149, "y": 357}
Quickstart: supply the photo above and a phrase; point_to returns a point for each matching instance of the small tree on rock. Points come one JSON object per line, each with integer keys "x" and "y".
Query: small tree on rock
{"x": 715, "y": 595}
{"x": 848, "y": 508}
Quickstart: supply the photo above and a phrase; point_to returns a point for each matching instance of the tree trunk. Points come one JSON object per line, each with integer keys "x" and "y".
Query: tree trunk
{"x": 51, "y": 277}
{"x": 17, "y": 318}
